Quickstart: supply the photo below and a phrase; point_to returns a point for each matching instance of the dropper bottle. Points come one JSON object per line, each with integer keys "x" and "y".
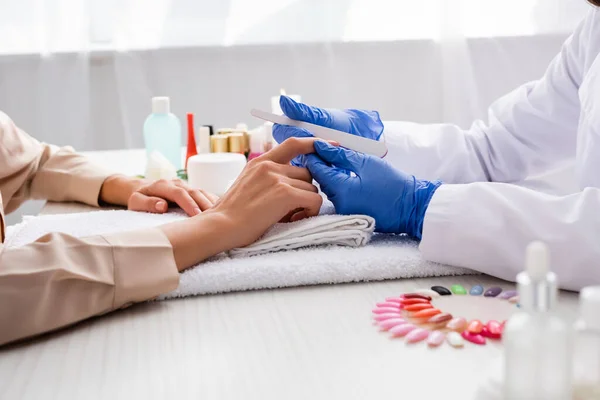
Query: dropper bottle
{"x": 587, "y": 346}
{"x": 537, "y": 342}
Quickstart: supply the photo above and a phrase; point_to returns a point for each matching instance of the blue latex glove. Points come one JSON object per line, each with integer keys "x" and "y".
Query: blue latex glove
{"x": 357, "y": 122}
{"x": 396, "y": 200}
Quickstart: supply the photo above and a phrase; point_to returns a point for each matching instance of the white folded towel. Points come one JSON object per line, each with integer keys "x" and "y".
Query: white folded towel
{"x": 341, "y": 230}
{"x": 385, "y": 257}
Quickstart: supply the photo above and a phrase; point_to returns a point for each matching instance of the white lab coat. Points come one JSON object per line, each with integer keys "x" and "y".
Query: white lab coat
{"x": 474, "y": 223}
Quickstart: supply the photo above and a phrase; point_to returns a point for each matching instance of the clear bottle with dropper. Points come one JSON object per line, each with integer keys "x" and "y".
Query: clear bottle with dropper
{"x": 537, "y": 342}
{"x": 586, "y": 366}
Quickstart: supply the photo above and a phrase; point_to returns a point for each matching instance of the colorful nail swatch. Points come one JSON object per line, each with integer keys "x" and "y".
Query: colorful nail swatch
{"x": 413, "y": 301}
{"x": 402, "y": 330}
{"x": 458, "y": 289}
{"x": 418, "y": 307}
{"x": 473, "y": 337}
{"x": 426, "y": 313}
{"x": 415, "y": 296}
{"x": 427, "y": 292}
{"x": 383, "y": 317}
{"x": 475, "y": 326}
{"x": 390, "y": 323}
{"x": 413, "y": 316}
{"x": 384, "y": 310}
{"x": 441, "y": 290}
{"x": 387, "y": 304}
{"x": 476, "y": 290}
{"x": 416, "y": 335}
{"x": 396, "y": 300}
{"x": 493, "y": 291}
{"x": 440, "y": 318}
{"x": 508, "y": 294}
{"x": 436, "y": 338}
{"x": 457, "y": 324}
{"x": 454, "y": 339}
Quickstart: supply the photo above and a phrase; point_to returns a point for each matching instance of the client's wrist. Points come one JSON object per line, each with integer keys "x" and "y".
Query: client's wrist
{"x": 117, "y": 189}
{"x": 198, "y": 238}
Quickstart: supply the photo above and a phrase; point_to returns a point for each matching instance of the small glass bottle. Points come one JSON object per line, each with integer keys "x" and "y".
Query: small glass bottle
{"x": 162, "y": 132}
{"x": 586, "y": 369}
{"x": 537, "y": 342}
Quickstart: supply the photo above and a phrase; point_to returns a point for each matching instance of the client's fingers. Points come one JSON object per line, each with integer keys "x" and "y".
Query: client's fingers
{"x": 310, "y": 202}
{"x": 201, "y": 200}
{"x": 300, "y": 184}
{"x": 292, "y": 147}
{"x": 295, "y": 172}
{"x": 141, "y": 202}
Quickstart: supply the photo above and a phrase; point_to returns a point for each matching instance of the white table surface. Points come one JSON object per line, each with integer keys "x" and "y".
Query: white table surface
{"x": 314, "y": 342}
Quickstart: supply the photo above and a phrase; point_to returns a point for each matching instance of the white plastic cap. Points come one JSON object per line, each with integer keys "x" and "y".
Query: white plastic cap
{"x": 537, "y": 261}
{"x": 257, "y": 140}
{"x": 241, "y": 127}
{"x": 161, "y": 105}
{"x": 589, "y": 306}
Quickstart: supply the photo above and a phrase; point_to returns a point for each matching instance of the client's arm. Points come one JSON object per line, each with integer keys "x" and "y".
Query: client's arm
{"x": 59, "y": 280}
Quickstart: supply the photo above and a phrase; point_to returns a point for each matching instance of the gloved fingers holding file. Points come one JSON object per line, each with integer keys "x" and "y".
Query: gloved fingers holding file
{"x": 357, "y": 122}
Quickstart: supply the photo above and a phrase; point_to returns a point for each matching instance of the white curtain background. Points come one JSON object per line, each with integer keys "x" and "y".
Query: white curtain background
{"x": 81, "y": 72}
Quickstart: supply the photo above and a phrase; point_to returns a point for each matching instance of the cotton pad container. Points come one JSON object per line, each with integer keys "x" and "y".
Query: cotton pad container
{"x": 214, "y": 172}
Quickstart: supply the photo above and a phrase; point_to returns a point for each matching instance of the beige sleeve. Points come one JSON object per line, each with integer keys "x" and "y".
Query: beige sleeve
{"x": 30, "y": 169}
{"x": 59, "y": 280}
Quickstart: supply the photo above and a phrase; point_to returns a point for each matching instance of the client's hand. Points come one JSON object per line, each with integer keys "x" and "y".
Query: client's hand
{"x": 143, "y": 195}
{"x": 268, "y": 190}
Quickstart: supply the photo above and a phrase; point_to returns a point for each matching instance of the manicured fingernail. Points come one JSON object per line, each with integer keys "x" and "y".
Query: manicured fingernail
{"x": 333, "y": 143}
{"x": 197, "y": 211}
{"x": 160, "y": 205}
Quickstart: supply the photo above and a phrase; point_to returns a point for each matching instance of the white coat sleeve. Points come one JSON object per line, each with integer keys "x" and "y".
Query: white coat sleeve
{"x": 529, "y": 131}
{"x": 487, "y": 226}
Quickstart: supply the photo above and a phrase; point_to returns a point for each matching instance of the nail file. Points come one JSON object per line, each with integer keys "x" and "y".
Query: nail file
{"x": 347, "y": 140}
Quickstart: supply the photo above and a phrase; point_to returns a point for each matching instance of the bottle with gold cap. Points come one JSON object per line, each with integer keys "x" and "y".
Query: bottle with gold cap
{"x": 237, "y": 143}
{"x": 219, "y": 144}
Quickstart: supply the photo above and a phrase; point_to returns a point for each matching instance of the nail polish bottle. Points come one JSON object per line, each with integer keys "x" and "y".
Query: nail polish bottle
{"x": 586, "y": 368}
{"x": 537, "y": 342}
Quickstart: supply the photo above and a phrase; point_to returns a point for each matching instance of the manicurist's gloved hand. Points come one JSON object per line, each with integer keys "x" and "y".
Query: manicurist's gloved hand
{"x": 396, "y": 200}
{"x": 357, "y": 122}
